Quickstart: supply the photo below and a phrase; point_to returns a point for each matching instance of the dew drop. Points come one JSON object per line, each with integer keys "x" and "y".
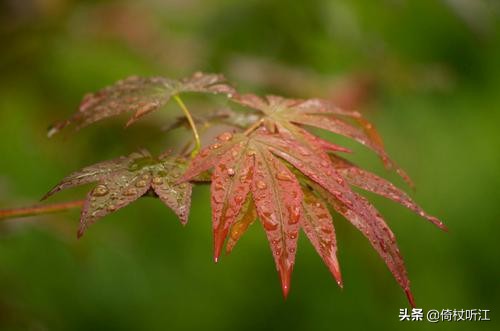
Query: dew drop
{"x": 100, "y": 190}
{"x": 230, "y": 171}
{"x": 130, "y": 192}
{"x": 284, "y": 176}
{"x": 243, "y": 178}
{"x": 238, "y": 199}
{"x": 141, "y": 183}
{"x": 270, "y": 225}
{"x": 236, "y": 230}
{"x": 261, "y": 185}
{"x": 294, "y": 216}
{"x": 226, "y": 136}
{"x": 326, "y": 229}
{"x": 303, "y": 151}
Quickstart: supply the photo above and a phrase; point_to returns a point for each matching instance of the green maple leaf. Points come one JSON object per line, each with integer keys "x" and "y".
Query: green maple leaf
{"x": 126, "y": 179}
{"x": 140, "y": 96}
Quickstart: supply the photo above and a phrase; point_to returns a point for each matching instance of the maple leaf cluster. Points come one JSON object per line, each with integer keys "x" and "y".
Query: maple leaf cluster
{"x": 272, "y": 169}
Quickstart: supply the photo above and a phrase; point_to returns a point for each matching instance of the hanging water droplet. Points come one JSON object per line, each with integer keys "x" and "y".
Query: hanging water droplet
{"x": 261, "y": 185}
{"x": 230, "y": 171}
{"x": 100, "y": 190}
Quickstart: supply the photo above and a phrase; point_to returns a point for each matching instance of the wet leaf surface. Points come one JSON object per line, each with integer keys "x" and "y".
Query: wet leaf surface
{"x": 324, "y": 115}
{"x": 126, "y": 179}
{"x": 283, "y": 174}
{"x": 275, "y": 171}
{"x": 140, "y": 96}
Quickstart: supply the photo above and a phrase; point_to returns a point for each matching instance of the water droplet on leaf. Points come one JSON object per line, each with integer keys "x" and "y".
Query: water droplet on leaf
{"x": 261, "y": 185}
{"x": 100, "y": 190}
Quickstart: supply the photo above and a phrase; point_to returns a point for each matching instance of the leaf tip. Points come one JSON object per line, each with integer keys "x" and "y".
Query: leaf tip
{"x": 410, "y": 297}
{"x": 130, "y": 122}
{"x": 219, "y": 239}
{"x": 285, "y": 272}
{"x": 80, "y": 232}
{"x": 50, "y": 193}
{"x": 438, "y": 223}
{"x": 338, "y": 278}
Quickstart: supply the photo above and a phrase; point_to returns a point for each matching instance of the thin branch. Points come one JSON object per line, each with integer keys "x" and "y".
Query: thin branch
{"x": 191, "y": 123}
{"x": 39, "y": 209}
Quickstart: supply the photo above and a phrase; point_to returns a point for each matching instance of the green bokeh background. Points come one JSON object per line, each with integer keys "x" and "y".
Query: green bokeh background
{"x": 433, "y": 69}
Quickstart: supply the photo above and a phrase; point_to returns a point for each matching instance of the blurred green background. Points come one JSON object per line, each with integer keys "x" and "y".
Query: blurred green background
{"x": 427, "y": 72}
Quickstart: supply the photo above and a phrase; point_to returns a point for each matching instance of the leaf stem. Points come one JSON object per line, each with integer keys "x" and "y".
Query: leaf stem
{"x": 39, "y": 209}
{"x": 191, "y": 123}
{"x": 253, "y": 127}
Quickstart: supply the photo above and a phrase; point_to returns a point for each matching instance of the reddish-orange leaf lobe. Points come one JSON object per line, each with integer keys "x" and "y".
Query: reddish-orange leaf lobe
{"x": 231, "y": 181}
{"x": 317, "y": 223}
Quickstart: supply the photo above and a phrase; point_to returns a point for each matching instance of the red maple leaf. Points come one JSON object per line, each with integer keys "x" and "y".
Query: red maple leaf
{"x": 275, "y": 171}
